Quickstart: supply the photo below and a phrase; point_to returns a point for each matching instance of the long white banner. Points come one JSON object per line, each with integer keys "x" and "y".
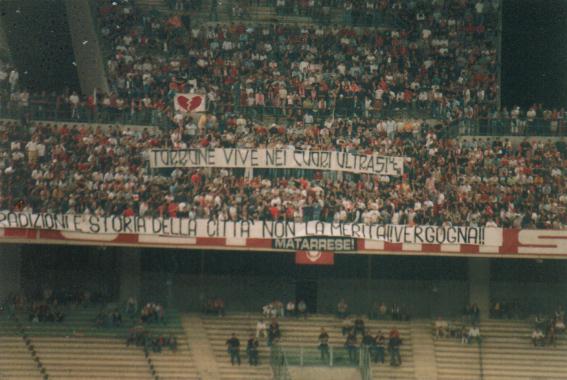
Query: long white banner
{"x": 181, "y": 227}
{"x": 277, "y": 158}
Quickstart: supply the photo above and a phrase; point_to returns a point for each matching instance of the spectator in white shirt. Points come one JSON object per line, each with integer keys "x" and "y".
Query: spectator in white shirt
{"x": 474, "y": 333}
{"x": 538, "y": 338}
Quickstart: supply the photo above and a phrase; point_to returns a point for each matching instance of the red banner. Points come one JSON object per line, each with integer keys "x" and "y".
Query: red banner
{"x": 314, "y": 258}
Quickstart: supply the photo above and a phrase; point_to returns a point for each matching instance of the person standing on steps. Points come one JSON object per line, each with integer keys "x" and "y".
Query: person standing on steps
{"x": 324, "y": 344}
{"x": 233, "y": 345}
{"x": 394, "y": 348}
{"x": 378, "y": 348}
{"x": 351, "y": 347}
{"x": 252, "y": 350}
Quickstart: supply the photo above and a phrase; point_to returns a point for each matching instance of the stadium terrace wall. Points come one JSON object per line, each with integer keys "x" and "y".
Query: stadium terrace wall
{"x": 247, "y": 293}
{"x": 485, "y": 242}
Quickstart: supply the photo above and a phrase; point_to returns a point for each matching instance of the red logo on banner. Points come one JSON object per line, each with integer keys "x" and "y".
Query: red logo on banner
{"x": 189, "y": 104}
{"x": 314, "y": 258}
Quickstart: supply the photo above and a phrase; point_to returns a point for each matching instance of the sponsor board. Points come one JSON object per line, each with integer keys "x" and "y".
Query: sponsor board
{"x": 316, "y": 244}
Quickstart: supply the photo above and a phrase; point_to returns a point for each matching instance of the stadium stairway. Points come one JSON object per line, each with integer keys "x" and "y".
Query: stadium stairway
{"x": 15, "y": 359}
{"x": 423, "y": 353}
{"x": 201, "y": 347}
{"x": 76, "y": 349}
{"x": 295, "y": 333}
{"x": 91, "y": 357}
{"x": 178, "y": 365}
{"x": 18, "y": 355}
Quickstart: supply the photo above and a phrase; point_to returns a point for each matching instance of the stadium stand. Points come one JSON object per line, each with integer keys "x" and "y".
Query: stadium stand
{"x": 455, "y": 360}
{"x": 421, "y": 76}
{"x": 507, "y": 352}
{"x": 148, "y": 43}
{"x": 16, "y": 361}
{"x": 145, "y": 66}
{"x": 76, "y": 348}
{"x": 483, "y": 183}
{"x": 91, "y": 357}
{"x": 297, "y": 334}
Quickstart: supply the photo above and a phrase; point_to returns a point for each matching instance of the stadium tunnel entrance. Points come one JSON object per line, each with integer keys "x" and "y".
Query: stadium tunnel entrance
{"x": 185, "y": 280}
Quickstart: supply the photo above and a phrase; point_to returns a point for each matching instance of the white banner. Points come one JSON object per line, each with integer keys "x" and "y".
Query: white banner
{"x": 277, "y": 158}
{"x": 189, "y": 103}
{"x": 188, "y": 228}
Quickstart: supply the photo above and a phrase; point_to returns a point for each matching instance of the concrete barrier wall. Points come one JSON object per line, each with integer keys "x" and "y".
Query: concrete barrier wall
{"x": 312, "y": 373}
{"x": 249, "y": 293}
{"x": 90, "y": 65}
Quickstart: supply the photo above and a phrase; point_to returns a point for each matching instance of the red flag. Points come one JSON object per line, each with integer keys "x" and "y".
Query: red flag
{"x": 314, "y": 258}
{"x": 175, "y": 21}
{"x": 189, "y": 103}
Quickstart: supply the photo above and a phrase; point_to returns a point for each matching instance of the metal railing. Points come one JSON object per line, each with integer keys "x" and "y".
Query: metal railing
{"x": 279, "y": 364}
{"x": 521, "y": 126}
{"x": 60, "y": 111}
{"x": 364, "y": 365}
{"x": 480, "y": 359}
{"x": 63, "y": 112}
{"x": 327, "y": 356}
{"x": 331, "y": 356}
{"x": 52, "y": 110}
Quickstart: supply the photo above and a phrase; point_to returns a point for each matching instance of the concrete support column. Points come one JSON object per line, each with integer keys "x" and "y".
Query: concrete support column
{"x": 4, "y": 47}
{"x": 130, "y": 273}
{"x": 88, "y": 55}
{"x": 479, "y": 285}
{"x": 10, "y": 268}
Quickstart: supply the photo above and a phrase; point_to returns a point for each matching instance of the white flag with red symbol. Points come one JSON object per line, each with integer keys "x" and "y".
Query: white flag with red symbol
{"x": 189, "y": 103}
{"x": 314, "y": 258}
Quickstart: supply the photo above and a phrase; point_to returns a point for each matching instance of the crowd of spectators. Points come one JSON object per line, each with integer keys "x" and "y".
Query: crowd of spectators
{"x": 45, "y": 312}
{"x": 441, "y": 59}
{"x": 108, "y": 318}
{"x": 65, "y": 297}
{"x": 214, "y": 305}
{"x": 466, "y": 331}
{"x": 326, "y": 84}
{"x": 376, "y": 344}
{"x": 546, "y": 328}
{"x": 92, "y": 171}
{"x": 357, "y": 337}
{"x": 276, "y": 308}
{"x": 47, "y": 304}
{"x": 253, "y": 344}
{"x": 396, "y": 312}
{"x": 152, "y": 313}
{"x": 506, "y": 309}
{"x": 140, "y": 337}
